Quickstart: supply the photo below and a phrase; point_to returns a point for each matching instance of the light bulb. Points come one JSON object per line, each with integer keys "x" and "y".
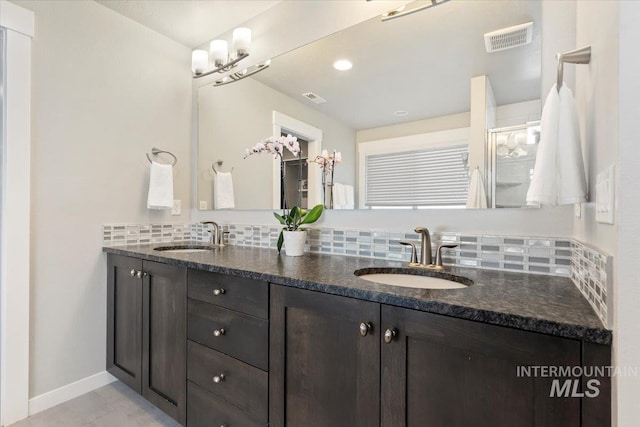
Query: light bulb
{"x": 241, "y": 40}
{"x": 219, "y": 52}
{"x": 199, "y": 61}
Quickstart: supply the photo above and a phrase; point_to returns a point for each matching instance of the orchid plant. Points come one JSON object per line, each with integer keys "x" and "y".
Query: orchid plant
{"x": 327, "y": 163}
{"x": 296, "y": 217}
{"x": 275, "y": 145}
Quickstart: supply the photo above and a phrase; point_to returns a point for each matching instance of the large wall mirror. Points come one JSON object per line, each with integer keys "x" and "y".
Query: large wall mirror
{"x": 402, "y": 117}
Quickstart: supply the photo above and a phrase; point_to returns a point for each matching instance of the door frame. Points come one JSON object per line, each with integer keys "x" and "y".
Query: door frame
{"x": 15, "y": 218}
{"x": 282, "y": 122}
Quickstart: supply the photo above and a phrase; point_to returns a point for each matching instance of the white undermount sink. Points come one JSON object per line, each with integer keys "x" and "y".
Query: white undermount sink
{"x": 413, "y": 278}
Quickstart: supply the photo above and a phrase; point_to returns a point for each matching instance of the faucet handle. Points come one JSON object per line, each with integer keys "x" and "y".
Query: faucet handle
{"x": 414, "y": 253}
{"x": 439, "y": 254}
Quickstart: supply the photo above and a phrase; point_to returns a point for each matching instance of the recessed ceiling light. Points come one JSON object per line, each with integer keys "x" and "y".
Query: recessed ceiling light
{"x": 400, "y": 113}
{"x": 342, "y": 65}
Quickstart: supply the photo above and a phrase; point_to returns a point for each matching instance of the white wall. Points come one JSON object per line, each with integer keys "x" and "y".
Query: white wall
{"x": 627, "y": 291}
{"x": 597, "y": 98}
{"x": 105, "y": 90}
{"x": 237, "y": 116}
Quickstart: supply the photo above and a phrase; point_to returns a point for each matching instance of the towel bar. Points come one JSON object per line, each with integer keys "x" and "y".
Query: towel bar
{"x": 219, "y": 163}
{"x": 577, "y": 56}
{"x": 155, "y": 151}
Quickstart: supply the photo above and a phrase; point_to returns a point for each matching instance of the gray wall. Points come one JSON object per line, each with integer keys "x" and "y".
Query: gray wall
{"x": 105, "y": 90}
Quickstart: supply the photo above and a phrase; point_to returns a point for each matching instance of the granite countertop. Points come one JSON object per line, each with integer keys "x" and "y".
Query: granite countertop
{"x": 546, "y": 304}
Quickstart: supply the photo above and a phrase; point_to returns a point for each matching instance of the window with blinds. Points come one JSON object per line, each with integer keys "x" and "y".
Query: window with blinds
{"x": 426, "y": 177}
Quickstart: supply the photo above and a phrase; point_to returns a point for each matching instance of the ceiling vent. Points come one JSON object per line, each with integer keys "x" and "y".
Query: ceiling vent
{"x": 314, "y": 98}
{"x": 508, "y": 38}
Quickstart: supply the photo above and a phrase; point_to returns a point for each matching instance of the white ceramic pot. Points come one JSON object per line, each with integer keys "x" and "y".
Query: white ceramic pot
{"x": 294, "y": 242}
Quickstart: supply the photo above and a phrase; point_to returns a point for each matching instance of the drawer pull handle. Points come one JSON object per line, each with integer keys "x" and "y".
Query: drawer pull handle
{"x": 218, "y": 378}
{"x": 389, "y": 335}
{"x": 365, "y": 327}
{"x": 217, "y": 292}
{"x": 218, "y": 332}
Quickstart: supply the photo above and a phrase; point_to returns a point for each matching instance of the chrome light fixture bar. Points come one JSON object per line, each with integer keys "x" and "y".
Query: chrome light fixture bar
{"x": 402, "y": 11}
{"x": 219, "y": 55}
{"x": 247, "y": 72}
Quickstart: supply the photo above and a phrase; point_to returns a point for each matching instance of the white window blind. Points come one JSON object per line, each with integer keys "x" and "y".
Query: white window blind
{"x": 426, "y": 177}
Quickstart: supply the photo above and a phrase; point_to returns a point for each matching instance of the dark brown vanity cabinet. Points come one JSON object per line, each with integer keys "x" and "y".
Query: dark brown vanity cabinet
{"x": 337, "y": 361}
{"x": 324, "y": 360}
{"x": 442, "y": 371}
{"x": 146, "y": 330}
{"x": 228, "y": 351}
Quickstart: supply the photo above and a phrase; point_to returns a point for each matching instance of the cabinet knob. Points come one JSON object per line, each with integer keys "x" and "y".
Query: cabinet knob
{"x": 140, "y": 274}
{"x": 133, "y": 272}
{"x": 218, "y": 332}
{"x": 217, "y": 292}
{"x": 218, "y": 378}
{"x": 365, "y": 327}
{"x": 389, "y": 335}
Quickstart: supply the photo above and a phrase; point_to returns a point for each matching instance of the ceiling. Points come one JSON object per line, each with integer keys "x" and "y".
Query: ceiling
{"x": 190, "y": 22}
{"x": 422, "y": 63}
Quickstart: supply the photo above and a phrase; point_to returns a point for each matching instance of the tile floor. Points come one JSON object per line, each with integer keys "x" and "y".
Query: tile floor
{"x": 114, "y": 405}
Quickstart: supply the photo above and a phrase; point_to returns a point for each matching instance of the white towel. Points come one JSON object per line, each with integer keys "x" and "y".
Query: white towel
{"x": 223, "y": 191}
{"x": 339, "y": 196}
{"x": 343, "y": 196}
{"x": 477, "y": 195}
{"x": 558, "y": 175}
{"x": 160, "y": 187}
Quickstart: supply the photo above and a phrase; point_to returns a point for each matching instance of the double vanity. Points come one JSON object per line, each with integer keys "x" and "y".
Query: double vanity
{"x": 242, "y": 336}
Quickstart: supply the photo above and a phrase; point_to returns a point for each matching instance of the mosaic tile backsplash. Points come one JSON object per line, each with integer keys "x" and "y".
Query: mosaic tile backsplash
{"x": 588, "y": 268}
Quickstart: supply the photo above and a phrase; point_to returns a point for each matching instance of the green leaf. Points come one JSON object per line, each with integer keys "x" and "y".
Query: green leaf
{"x": 293, "y": 213}
{"x": 313, "y": 215}
{"x": 280, "y": 240}
{"x": 280, "y": 218}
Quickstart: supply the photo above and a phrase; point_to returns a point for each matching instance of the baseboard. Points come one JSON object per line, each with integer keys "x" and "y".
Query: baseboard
{"x": 69, "y": 391}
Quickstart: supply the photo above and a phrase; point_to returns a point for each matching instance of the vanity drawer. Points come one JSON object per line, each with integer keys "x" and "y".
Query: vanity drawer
{"x": 243, "y": 385}
{"x": 237, "y": 293}
{"x": 238, "y": 335}
{"x": 206, "y": 410}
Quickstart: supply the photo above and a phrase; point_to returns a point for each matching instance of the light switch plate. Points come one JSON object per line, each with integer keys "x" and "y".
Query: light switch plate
{"x": 177, "y": 207}
{"x": 605, "y": 197}
{"x": 203, "y": 204}
{"x": 577, "y": 210}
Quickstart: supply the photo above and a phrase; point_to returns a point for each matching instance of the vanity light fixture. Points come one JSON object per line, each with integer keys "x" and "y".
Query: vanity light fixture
{"x": 403, "y": 11}
{"x": 247, "y": 72}
{"x": 219, "y": 56}
{"x": 342, "y": 65}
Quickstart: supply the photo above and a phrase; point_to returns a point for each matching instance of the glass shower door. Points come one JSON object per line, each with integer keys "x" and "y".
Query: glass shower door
{"x": 512, "y": 154}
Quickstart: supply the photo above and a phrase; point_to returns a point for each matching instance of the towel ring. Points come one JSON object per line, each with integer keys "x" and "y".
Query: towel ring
{"x": 577, "y": 56}
{"x": 219, "y": 163}
{"x": 155, "y": 151}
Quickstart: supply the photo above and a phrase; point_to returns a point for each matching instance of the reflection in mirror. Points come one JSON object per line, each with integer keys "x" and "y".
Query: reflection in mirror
{"x": 404, "y": 117}
{"x": 512, "y": 153}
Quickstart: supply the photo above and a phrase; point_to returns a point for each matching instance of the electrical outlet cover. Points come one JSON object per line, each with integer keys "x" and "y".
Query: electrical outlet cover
{"x": 605, "y": 188}
{"x": 177, "y": 207}
{"x": 203, "y": 204}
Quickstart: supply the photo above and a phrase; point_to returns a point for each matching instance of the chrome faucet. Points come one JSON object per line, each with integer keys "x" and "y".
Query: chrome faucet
{"x": 425, "y": 246}
{"x": 216, "y": 233}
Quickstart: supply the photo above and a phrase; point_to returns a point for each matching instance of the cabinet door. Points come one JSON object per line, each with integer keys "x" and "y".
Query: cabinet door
{"x": 164, "y": 338}
{"x": 124, "y": 320}
{"x": 441, "y": 371}
{"x": 322, "y": 371}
